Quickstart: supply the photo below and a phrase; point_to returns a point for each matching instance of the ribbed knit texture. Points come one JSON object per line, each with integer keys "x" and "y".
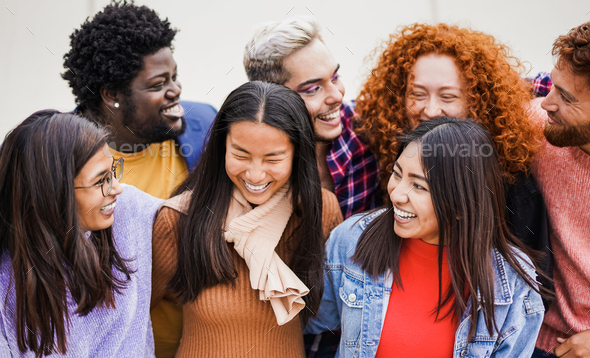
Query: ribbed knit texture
{"x": 122, "y": 332}
{"x": 563, "y": 175}
{"x": 227, "y": 320}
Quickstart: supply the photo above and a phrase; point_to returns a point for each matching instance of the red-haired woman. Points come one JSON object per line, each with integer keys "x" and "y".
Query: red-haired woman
{"x": 425, "y": 71}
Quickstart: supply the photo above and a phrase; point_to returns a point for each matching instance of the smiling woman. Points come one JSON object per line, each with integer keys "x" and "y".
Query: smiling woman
{"x": 438, "y": 274}
{"x": 71, "y": 244}
{"x": 246, "y": 229}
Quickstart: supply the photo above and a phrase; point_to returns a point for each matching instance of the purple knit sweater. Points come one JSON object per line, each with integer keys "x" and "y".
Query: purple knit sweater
{"x": 122, "y": 332}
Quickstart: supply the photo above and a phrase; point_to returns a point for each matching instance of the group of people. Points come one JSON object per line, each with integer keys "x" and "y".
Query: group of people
{"x": 444, "y": 213}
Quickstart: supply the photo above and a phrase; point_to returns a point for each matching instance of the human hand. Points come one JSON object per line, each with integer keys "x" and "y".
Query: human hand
{"x": 577, "y": 345}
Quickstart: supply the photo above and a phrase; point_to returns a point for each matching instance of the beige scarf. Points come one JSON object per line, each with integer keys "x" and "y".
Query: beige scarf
{"x": 255, "y": 233}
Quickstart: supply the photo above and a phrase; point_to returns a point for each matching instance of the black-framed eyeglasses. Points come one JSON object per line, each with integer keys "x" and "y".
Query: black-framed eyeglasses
{"x": 106, "y": 182}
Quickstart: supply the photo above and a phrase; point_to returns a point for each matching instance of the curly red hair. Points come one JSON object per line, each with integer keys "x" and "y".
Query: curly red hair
{"x": 496, "y": 95}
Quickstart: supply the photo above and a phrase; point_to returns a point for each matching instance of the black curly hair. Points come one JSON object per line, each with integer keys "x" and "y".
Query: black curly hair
{"x": 109, "y": 50}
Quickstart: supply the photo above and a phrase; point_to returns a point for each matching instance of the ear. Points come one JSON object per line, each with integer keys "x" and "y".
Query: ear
{"x": 109, "y": 98}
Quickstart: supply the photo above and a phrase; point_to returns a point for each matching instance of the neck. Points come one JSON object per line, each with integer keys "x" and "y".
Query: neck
{"x": 586, "y": 148}
{"x": 123, "y": 140}
{"x": 321, "y": 150}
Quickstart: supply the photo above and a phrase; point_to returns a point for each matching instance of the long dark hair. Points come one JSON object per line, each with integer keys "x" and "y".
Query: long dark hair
{"x": 39, "y": 226}
{"x": 468, "y": 197}
{"x": 203, "y": 256}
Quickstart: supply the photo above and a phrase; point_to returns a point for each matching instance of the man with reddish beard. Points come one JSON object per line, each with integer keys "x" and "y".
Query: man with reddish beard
{"x": 121, "y": 70}
{"x": 291, "y": 52}
{"x": 562, "y": 170}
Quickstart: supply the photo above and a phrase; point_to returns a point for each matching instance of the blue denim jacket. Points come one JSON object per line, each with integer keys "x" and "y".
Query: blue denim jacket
{"x": 356, "y": 303}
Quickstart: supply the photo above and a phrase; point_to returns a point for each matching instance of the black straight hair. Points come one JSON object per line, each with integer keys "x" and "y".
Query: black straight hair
{"x": 467, "y": 193}
{"x": 203, "y": 256}
{"x": 39, "y": 227}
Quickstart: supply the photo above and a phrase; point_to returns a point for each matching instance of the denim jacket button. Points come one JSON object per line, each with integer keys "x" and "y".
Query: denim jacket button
{"x": 352, "y": 297}
{"x": 464, "y": 353}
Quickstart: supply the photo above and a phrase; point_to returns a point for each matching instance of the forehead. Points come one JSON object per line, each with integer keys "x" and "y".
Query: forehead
{"x": 435, "y": 69}
{"x": 309, "y": 62}
{"x": 156, "y": 63}
{"x": 563, "y": 76}
{"x": 257, "y": 137}
{"x": 410, "y": 160}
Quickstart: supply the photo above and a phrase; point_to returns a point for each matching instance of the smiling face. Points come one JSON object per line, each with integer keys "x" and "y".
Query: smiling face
{"x": 568, "y": 109}
{"x": 95, "y": 211}
{"x": 152, "y": 111}
{"x": 258, "y": 160}
{"x": 436, "y": 89}
{"x": 314, "y": 75}
{"x": 412, "y": 202}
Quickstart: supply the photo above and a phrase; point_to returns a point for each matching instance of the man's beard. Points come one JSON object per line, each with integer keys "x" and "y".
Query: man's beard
{"x": 153, "y": 129}
{"x": 566, "y": 135}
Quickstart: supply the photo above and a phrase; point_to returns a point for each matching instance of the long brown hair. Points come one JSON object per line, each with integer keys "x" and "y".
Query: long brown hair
{"x": 50, "y": 253}
{"x": 203, "y": 256}
{"x": 468, "y": 197}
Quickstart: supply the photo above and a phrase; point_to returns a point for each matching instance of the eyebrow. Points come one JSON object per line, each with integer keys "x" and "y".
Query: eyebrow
{"x": 235, "y": 146}
{"x": 163, "y": 74}
{"x": 442, "y": 88}
{"x": 411, "y": 175}
{"x": 568, "y": 95}
{"x": 314, "y": 80}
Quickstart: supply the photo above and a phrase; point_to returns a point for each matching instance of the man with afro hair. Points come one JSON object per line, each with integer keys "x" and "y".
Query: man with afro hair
{"x": 122, "y": 72}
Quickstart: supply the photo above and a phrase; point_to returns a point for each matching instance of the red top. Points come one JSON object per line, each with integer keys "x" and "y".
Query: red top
{"x": 410, "y": 329}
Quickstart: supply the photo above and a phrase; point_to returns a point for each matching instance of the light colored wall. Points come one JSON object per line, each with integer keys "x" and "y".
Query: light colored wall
{"x": 34, "y": 36}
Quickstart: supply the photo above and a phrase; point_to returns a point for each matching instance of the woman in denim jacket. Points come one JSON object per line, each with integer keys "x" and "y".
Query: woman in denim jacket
{"x": 411, "y": 291}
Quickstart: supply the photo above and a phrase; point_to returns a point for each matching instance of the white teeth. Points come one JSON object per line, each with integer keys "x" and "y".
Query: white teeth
{"x": 174, "y": 109}
{"x": 256, "y": 187}
{"x": 108, "y": 207}
{"x": 403, "y": 214}
{"x": 331, "y": 116}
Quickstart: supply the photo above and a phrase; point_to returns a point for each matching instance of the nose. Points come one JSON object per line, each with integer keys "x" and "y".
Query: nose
{"x": 432, "y": 109}
{"x": 336, "y": 93}
{"x": 174, "y": 90}
{"x": 548, "y": 102}
{"x": 399, "y": 194}
{"x": 117, "y": 188}
{"x": 256, "y": 174}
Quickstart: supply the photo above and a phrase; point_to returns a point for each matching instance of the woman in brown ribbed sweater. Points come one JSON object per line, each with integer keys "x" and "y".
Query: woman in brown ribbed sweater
{"x": 241, "y": 245}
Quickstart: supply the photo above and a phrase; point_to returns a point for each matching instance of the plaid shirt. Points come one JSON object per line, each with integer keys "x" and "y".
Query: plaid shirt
{"x": 541, "y": 84}
{"x": 354, "y": 169}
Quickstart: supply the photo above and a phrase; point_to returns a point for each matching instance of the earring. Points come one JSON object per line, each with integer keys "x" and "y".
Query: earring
{"x": 116, "y": 105}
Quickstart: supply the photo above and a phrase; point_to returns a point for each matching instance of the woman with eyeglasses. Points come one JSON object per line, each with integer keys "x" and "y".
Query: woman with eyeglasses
{"x": 75, "y": 253}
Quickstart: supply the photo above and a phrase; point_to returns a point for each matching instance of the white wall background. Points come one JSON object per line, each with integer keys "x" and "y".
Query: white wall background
{"x": 34, "y": 36}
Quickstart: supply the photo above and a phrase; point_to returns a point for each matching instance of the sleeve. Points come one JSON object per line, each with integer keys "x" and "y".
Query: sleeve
{"x": 164, "y": 253}
{"x": 331, "y": 213}
{"x": 328, "y": 316}
{"x": 522, "y": 335}
{"x": 4, "y": 347}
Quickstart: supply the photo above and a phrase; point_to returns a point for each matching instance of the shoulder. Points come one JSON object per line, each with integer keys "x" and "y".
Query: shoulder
{"x": 537, "y": 115}
{"x": 196, "y": 113}
{"x": 329, "y": 202}
{"x": 509, "y": 285}
{"x": 135, "y": 203}
{"x": 331, "y": 213}
{"x": 135, "y": 209}
{"x": 343, "y": 240}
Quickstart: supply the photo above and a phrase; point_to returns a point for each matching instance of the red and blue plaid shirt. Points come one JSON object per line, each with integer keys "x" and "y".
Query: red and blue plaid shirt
{"x": 354, "y": 168}
{"x": 541, "y": 84}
